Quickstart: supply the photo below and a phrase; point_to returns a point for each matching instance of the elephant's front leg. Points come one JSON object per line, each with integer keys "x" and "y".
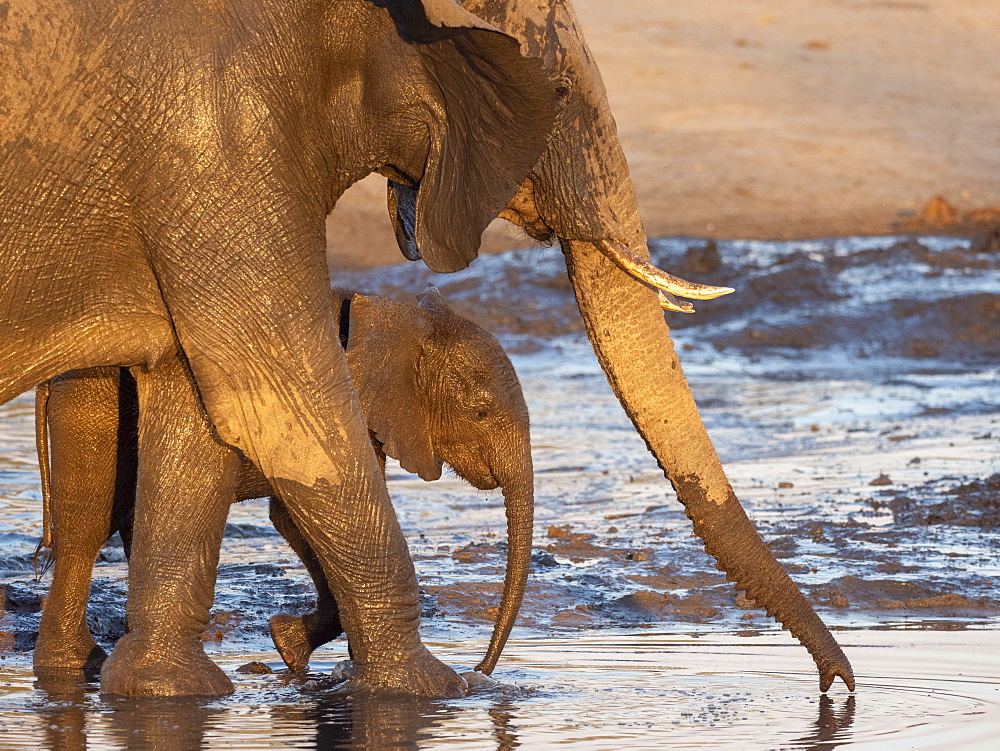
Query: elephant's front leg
{"x": 256, "y": 326}
{"x": 296, "y": 637}
{"x": 352, "y": 530}
{"x": 185, "y": 485}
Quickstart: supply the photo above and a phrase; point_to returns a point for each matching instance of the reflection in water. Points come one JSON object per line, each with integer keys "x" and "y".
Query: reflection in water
{"x": 386, "y": 721}
{"x": 364, "y": 720}
{"x": 502, "y": 713}
{"x": 64, "y": 707}
{"x": 371, "y": 721}
{"x": 832, "y": 728}
{"x": 153, "y": 723}
{"x": 135, "y": 722}
{"x": 69, "y": 699}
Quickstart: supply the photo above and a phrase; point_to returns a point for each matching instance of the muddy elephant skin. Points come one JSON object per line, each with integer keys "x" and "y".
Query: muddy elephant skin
{"x": 578, "y": 192}
{"x": 435, "y": 389}
{"x": 165, "y": 175}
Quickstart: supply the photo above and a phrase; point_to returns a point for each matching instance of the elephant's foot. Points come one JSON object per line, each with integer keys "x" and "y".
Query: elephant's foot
{"x": 296, "y": 637}
{"x": 139, "y": 668}
{"x": 291, "y": 640}
{"x": 421, "y": 673}
{"x": 69, "y": 652}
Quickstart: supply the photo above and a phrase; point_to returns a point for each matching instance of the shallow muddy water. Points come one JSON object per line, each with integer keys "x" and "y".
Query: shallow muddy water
{"x": 602, "y": 690}
{"x": 866, "y": 452}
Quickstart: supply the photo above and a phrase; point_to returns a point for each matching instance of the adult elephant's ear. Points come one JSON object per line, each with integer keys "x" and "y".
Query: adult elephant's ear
{"x": 384, "y": 348}
{"x": 491, "y": 125}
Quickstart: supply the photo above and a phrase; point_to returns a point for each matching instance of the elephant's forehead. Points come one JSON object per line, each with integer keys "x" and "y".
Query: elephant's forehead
{"x": 545, "y": 28}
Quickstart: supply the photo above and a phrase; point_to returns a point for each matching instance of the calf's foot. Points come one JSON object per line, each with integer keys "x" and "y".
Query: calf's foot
{"x": 296, "y": 637}
{"x": 291, "y": 640}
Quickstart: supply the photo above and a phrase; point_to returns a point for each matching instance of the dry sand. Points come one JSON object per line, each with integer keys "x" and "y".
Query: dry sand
{"x": 779, "y": 119}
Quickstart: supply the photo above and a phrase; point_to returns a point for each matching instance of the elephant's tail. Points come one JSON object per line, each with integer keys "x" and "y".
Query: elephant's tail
{"x": 43, "y": 558}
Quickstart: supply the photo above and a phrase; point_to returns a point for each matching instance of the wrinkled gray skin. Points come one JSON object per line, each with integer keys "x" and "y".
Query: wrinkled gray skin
{"x": 165, "y": 175}
{"x": 434, "y": 389}
{"x": 580, "y": 193}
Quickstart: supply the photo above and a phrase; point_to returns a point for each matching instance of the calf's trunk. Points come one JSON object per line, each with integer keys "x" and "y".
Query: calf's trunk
{"x": 519, "y": 501}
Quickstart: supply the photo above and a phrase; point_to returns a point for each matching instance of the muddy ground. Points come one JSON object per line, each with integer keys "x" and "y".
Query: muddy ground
{"x": 850, "y": 386}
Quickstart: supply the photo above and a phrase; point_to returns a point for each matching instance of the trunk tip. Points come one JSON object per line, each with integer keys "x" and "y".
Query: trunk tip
{"x": 486, "y": 669}
{"x": 828, "y": 676}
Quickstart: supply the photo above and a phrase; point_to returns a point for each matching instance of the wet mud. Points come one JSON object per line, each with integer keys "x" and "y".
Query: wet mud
{"x": 852, "y": 390}
{"x": 974, "y": 503}
{"x": 938, "y": 293}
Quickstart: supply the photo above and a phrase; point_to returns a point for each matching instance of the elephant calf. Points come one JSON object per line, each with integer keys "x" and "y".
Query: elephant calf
{"x": 434, "y": 389}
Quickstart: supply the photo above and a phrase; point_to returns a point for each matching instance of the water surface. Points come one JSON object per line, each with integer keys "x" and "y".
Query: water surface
{"x": 868, "y": 461}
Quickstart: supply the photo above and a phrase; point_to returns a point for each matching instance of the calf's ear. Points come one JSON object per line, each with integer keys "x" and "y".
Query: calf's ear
{"x": 433, "y": 301}
{"x": 384, "y": 348}
{"x": 495, "y": 111}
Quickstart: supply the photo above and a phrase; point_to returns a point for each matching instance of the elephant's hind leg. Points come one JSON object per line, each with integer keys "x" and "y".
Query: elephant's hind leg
{"x": 295, "y": 637}
{"x": 83, "y": 427}
{"x": 186, "y": 481}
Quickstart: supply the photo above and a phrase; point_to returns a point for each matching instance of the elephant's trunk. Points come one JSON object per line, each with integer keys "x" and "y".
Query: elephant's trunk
{"x": 519, "y": 501}
{"x": 632, "y": 342}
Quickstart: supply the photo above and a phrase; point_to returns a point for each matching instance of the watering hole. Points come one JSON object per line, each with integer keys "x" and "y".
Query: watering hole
{"x": 851, "y": 389}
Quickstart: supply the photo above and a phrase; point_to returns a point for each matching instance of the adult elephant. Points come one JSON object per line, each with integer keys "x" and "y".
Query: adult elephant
{"x": 434, "y": 388}
{"x": 165, "y": 174}
{"x": 580, "y": 193}
{"x": 227, "y": 196}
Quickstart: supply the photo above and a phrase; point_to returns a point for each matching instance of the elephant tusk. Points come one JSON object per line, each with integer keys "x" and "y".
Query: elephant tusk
{"x": 669, "y": 302}
{"x": 638, "y": 268}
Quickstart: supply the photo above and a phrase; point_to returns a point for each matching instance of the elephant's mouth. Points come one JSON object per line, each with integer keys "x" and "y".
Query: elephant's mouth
{"x": 486, "y": 482}
{"x": 481, "y": 478}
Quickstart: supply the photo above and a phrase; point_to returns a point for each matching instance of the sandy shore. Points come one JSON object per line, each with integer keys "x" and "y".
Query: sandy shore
{"x": 778, "y": 119}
